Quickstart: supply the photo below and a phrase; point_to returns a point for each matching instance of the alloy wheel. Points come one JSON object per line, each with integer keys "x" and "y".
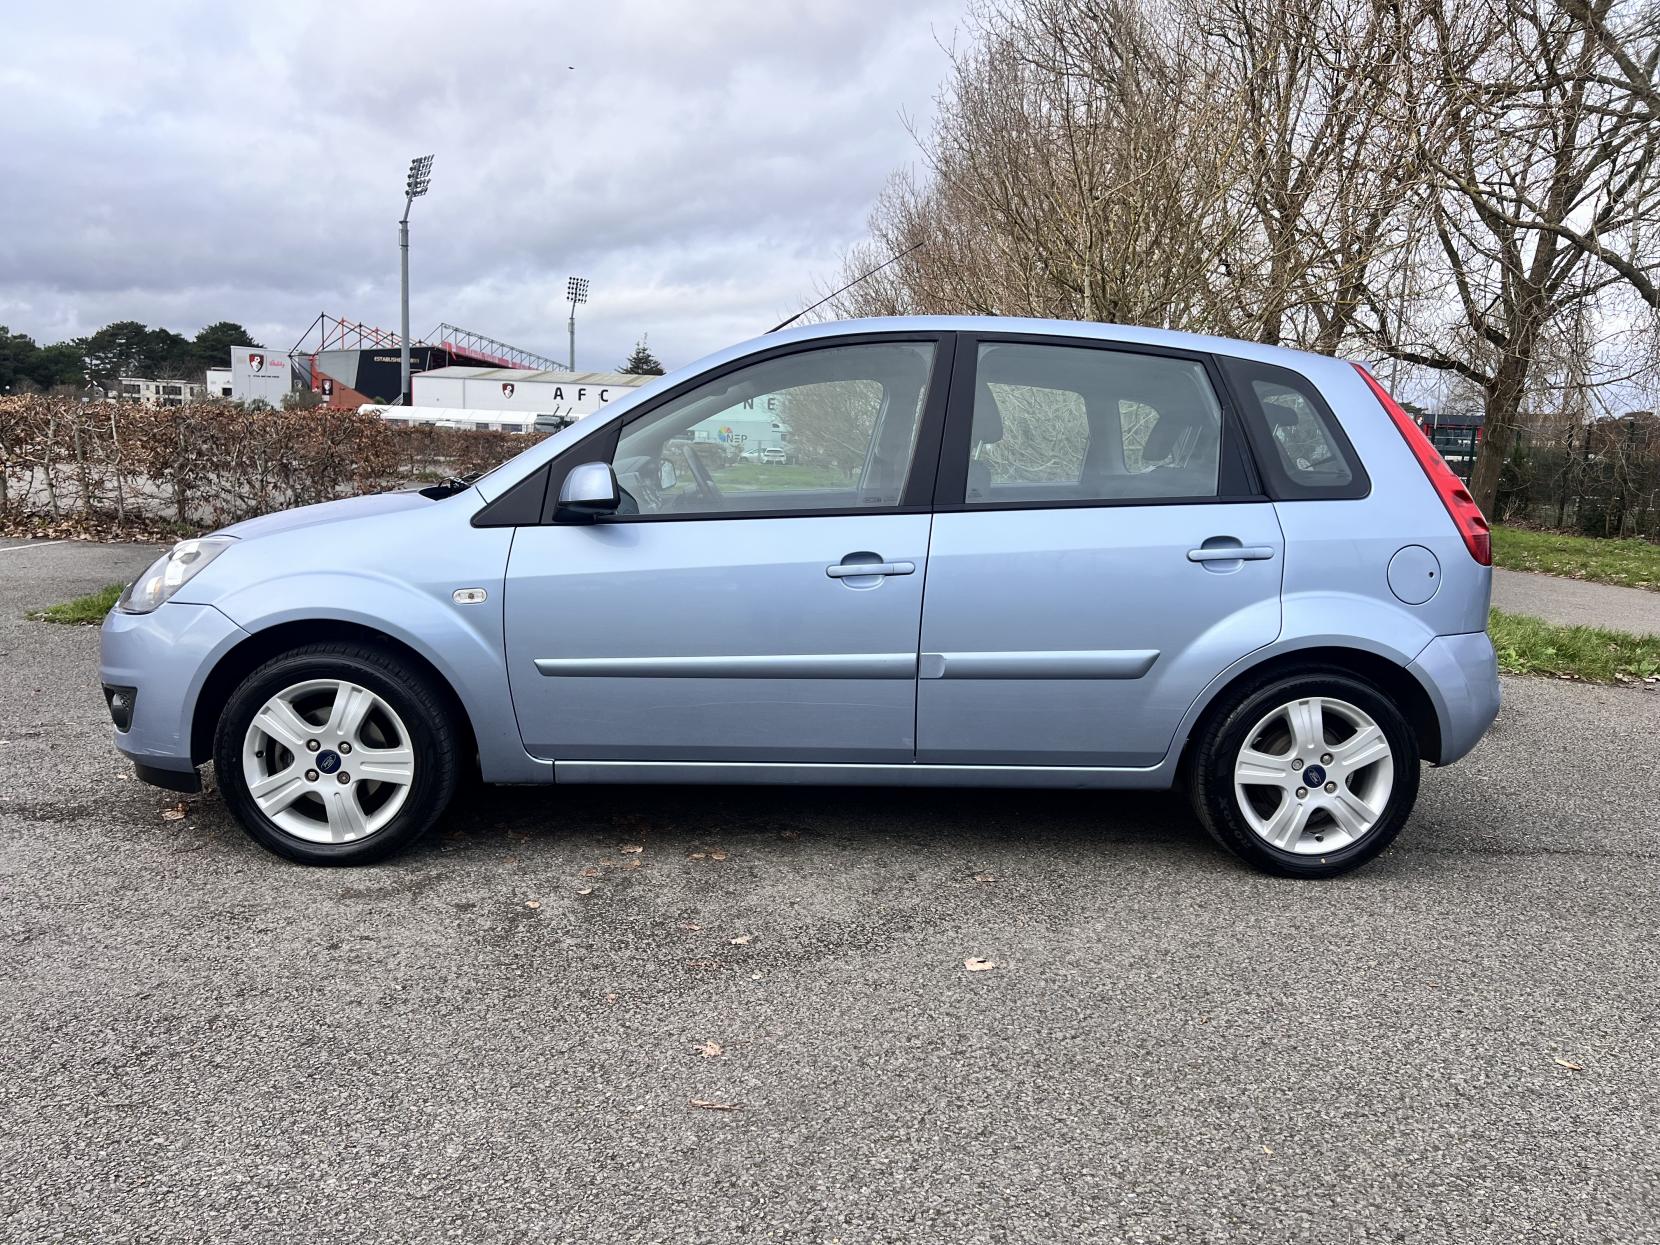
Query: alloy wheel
{"x": 328, "y": 761}
{"x": 1314, "y": 775}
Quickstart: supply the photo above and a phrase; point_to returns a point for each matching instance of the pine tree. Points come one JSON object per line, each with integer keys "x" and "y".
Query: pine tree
{"x": 642, "y": 362}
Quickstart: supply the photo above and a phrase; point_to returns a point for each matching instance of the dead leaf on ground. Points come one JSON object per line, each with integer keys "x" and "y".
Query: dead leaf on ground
{"x": 702, "y": 964}
{"x": 610, "y": 996}
{"x": 975, "y": 964}
{"x": 1570, "y": 1065}
{"x": 176, "y": 813}
{"x": 789, "y": 834}
{"x": 633, "y": 849}
{"x": 691, "y": 927}
{"x": 585, "y": 890}
{"x": 709, "y": 1050}
{"x": 533, "y": 903}
{"x": 704, "y": 1104}
{"x": 698, "y": 856}
{"x": 606, "y": 860}
{"x": 590, "y": 871}
{"x": 985, "y": 877}
{"x": 742, "y": 940}
{"x": 1267, "y": 1149}
{"x": 631, "y": 864}
{"x": 717, "y": 855}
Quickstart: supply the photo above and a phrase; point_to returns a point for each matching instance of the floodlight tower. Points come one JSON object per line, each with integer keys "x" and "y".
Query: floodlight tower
{"x": 576, "y": 289}
{"x": 420, "y": 177}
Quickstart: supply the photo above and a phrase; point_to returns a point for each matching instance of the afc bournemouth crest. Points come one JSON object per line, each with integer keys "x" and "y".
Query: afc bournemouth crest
{"x": 507, "y": 389}
{"x": 256, "y": 362}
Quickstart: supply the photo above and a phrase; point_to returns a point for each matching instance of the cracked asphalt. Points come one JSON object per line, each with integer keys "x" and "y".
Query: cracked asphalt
{"x": 200, "y": 1042}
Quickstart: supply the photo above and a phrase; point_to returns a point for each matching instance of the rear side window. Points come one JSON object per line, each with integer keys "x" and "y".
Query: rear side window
{"x": 1299, "y": 445}
{"x": 1064, "y": 424}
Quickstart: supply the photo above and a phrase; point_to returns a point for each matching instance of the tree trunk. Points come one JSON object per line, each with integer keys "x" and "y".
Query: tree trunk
{"x": 1503, "y": 407}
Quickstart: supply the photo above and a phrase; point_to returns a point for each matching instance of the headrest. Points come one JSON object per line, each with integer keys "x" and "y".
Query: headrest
{"x": 988, "y": 418}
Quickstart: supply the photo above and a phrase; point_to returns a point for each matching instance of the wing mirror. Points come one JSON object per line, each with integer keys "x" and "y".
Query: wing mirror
{"x": 589, "y": 491}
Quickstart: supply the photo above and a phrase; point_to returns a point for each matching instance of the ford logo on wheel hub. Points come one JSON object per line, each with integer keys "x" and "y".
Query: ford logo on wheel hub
{"x": 328, "y": 761}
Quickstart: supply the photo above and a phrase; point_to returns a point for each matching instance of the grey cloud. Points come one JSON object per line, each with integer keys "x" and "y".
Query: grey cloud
{"x": 703, "y": 165}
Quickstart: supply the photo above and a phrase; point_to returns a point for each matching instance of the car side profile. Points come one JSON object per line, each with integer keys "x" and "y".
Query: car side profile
{"x": 1005, "y": 553}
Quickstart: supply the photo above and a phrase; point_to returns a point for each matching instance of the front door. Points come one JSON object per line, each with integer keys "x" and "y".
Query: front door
{"x": 760, "y": 595}
{"x": 1098, "y": 557}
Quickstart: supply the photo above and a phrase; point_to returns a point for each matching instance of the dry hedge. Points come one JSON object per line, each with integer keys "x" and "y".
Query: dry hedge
{"x": 115, "y": 468}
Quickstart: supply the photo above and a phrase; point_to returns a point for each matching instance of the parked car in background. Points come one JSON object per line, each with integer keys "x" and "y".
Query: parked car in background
{"x": 1151, "y": 559}
{"x": 774, "y": 454}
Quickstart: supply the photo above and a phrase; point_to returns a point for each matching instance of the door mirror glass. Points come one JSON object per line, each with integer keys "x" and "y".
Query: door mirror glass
{"x": 589, "y": 491}
{"x": 666, "y": 477}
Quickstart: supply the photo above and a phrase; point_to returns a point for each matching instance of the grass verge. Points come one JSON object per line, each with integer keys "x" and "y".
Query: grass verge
{"x": 1629, "y": 563}
{"x": 87, "y": 611}
{"x": 1531, "y": 646}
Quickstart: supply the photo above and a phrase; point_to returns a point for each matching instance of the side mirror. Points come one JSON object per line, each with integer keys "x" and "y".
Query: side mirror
{"x": 666, "y": 477}
{"x": 589, "y": 491}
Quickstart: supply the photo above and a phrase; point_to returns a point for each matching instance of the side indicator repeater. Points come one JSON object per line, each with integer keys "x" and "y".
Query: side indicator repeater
{"x": 468, "y": 596}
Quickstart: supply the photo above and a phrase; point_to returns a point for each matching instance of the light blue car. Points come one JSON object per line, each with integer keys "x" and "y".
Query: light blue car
{"x": 1001, "y": 553}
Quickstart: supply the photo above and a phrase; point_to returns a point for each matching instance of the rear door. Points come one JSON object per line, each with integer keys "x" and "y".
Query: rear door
{"x": 1099, "y": 553}
{"x": 749, "y": 606}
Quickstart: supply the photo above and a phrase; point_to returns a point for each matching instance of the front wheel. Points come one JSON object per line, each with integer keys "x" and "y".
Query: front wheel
{"x": 1308, "y": 775}
{"x": 335, "y": 754}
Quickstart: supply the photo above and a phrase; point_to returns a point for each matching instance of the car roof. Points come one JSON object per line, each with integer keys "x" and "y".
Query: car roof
{"x": 1128, "y": 333}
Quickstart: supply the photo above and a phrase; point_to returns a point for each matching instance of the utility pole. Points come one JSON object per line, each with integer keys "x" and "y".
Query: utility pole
{"x": 420, "y": 177}
{"x": 576, "y": 289}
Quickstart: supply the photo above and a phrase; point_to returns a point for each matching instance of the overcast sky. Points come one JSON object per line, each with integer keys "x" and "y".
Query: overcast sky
{"x": 704, "y": 165}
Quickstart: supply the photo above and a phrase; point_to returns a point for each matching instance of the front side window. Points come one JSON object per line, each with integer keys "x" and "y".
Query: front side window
{"x": 1074, "y": 424}
{"x": 828, "y": 429}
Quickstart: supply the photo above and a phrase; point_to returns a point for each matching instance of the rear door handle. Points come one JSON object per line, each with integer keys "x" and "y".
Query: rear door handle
{"x": 1231, "y": 553}
{"x": 852, "y": 570}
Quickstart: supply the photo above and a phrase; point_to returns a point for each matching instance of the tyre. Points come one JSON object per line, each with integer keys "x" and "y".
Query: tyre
{"x": 1307, "y": 775}
{"x": 336, "y": 754}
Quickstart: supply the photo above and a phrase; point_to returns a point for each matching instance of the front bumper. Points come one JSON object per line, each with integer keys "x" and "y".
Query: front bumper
{"x": 1461, "y": 675}
{"x": 164, "y": 658}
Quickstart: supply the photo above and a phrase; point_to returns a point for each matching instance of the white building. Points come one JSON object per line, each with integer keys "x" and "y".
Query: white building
{"x": 518, "y": 393}
{"x": 157, "y": 392}
{"x": 218, "y": 382}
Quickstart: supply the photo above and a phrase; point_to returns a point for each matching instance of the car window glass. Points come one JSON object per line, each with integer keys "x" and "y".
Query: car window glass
{"x": 1068, "y": 424}
{"x": 822, "y": 429}
{"x": 1306, "y": 449}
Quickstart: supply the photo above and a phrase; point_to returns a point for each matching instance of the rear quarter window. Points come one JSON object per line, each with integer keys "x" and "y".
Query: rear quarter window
{"x": 1300, "y": 448}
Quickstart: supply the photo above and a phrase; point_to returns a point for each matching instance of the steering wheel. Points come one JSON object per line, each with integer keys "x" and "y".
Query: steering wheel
{"x": 706, "y": 486}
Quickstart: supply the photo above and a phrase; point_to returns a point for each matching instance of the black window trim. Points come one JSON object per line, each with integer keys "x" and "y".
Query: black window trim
{"x": 1276, "y": 483}
{"x": 1237, "y": 479}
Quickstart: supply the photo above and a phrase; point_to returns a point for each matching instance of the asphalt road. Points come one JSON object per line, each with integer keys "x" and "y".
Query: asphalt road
{"x": 1569, "y": 601}
{"x": 201, "y": 1042}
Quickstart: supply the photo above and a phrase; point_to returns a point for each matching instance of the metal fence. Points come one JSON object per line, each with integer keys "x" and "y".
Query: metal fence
{"x": 1599, "y": 479}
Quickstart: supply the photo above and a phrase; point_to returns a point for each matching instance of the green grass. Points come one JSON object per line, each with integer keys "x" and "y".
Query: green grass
{"x": 87, "y": 611}
{"x": 1631, "y": 563}
{"x": 782, "y": 477}
{"x": 1530, "y": 646}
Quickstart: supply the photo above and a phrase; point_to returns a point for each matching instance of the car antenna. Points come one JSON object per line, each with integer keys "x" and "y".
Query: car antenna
{"x": 786, "y": 324}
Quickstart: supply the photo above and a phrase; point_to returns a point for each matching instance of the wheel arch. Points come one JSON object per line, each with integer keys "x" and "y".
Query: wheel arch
{"x": 1386, "y": 673}
{"x": 259, "y": 647}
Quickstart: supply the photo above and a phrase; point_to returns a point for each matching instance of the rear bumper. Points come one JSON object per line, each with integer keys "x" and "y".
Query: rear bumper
{"x": 1461, "y": 675}
{"x": 163, "y": 658}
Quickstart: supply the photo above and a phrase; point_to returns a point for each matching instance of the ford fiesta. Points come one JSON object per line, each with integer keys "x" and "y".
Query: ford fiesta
{"x": 989, "y": 552}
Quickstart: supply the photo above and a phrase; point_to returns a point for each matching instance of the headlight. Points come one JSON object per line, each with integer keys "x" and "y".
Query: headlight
{"x": 170, "y": 572}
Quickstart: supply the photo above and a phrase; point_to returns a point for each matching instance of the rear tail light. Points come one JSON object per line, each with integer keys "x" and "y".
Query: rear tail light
{"x": 1466, "y": 515}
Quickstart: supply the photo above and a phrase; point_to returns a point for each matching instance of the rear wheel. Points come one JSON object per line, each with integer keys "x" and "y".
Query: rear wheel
{"x": 1308, "y": 775}
{"x": 335, "y": 754}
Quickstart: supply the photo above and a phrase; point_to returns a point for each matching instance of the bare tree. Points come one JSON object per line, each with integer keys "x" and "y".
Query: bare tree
{"x": 1542, "y": 193}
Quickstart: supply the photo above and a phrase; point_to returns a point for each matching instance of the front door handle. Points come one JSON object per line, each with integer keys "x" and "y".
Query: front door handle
{"x": 852, "y": 570}
{"x": 1230, "y": 553}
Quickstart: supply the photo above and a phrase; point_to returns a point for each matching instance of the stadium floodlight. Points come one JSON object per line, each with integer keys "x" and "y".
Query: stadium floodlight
{"x": 576, "y": 290}
{"x": 415, "y": 185}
